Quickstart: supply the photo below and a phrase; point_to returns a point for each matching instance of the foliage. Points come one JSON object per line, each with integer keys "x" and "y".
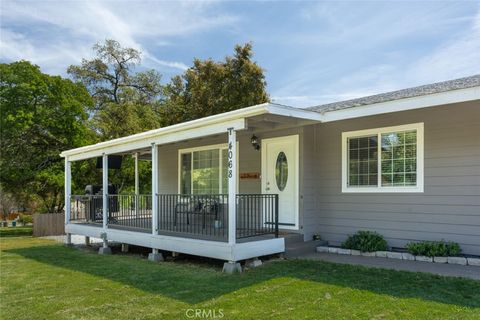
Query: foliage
{"x": 25, "y": 219}
{"x": 7, "y": 203}
{"x": 211, "y": 87}
{"x": 42, "y": 115}
{"x": 125, "y": 101}
{"x": 366, "y": 241}
{"x": 434, "y": 248}
{"x": 77, "y": 284}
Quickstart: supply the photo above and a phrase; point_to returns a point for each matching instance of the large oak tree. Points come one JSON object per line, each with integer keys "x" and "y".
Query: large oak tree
{"x": 41, "y": 115}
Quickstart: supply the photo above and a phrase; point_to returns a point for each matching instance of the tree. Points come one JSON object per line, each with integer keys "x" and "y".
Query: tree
{"x": 7, "y": 204}
{"x": 211, "y": 87}
{"x": 125, "y": 101}
{"x": 41, "y": 115}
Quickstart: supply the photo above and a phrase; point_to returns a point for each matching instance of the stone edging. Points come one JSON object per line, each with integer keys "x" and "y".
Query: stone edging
{"x": 402, "y": 256}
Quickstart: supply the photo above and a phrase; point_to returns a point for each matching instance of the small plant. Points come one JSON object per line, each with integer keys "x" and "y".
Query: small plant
{"x": 434, "y": 248}
{"x": 317, "y": 237}
{"x": 366, "y": 241}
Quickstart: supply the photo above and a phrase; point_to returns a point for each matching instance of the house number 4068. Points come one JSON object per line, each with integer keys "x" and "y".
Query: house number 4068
{"x": 230, "y": 160}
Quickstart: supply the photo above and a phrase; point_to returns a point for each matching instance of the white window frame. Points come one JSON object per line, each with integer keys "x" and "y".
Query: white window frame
{"x": 419, "y": 188}
{"x": 220, "y": 147}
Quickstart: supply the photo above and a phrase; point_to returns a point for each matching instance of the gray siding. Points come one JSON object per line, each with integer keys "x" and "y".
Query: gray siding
{"x": 448, "y": 209}
{"x": 249, "y": 158}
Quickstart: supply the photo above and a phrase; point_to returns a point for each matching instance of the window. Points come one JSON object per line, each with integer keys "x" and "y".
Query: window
{"x": 383, "y": 160}
{"x": 203, "y": 170}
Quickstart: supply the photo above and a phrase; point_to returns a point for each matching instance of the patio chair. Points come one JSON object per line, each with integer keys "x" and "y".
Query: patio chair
{"x": 191, "y": 205}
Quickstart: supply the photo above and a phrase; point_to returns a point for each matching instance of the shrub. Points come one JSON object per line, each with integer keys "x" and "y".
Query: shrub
{"x": 366, "y": 241}
{"x": 434, "y": 248}
{"x": 25, "y": 219}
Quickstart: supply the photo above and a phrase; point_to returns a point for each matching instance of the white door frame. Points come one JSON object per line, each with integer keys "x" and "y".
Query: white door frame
{"x": 297, "y": 174}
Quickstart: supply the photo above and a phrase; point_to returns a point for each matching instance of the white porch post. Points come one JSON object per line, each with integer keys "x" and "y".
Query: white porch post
{"x": 232, "y": 185}
{"x": 105, "y": 190}
{"x": 154, "y": 189}
{"x": 155, "y": 255}
{"x": 137, "y": 184}
{"x": 105, "y": 249}
{"x": 68, "y": 191}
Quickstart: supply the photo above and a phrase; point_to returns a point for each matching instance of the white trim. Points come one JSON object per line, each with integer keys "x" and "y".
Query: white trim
{"x": 232, "y": 184}
{"x": 219, "y": 146}
{"x": 154, "y": 189}
{"x": 218, "y": 123}
{"x": 429, "y": 100}
{"x": 419, "y": 188}
{"x": 236, "y": 119}
{"x": 205, "y": 248}
{"x": 68, "y": 190}
{"x": 105, "y": 190}
{"x": 296, "y": 138}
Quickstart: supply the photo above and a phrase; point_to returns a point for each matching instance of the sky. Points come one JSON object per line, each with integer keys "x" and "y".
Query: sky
{"x": 312, "y": 52}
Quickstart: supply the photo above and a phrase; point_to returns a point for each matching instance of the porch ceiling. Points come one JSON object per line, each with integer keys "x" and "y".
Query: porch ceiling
{"x": 261, "y": 117}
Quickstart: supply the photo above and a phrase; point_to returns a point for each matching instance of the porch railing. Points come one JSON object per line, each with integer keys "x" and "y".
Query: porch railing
{"x": 130, "y": 211}
{"x": 195, "y": 216}
{"x": 257, "y": 214}
{"x": 86, "y": 208}
{"x": 198, "y": 216}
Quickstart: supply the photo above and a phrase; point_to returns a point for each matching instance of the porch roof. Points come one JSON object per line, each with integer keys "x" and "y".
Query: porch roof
{"x": 206, "y": 126}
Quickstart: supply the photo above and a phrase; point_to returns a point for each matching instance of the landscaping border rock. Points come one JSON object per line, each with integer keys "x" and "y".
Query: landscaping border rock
{"x": 381, "y": 254}
{"x": 471, "y": 261}
{"x": 407, "y": 256}
{"x": 344, "y": 251}
{"x": 457, "y": 260}
{"x": 394, "y": 255}
{"x": 440, "y": 259}
{"x": 423, "y": 259}
{"x": 355, "y": 252}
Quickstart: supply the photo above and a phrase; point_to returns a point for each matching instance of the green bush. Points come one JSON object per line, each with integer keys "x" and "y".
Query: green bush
{"x": 434, "y": 248}
{"x": 366, "y": 241}
{"x": 26, "y": 219}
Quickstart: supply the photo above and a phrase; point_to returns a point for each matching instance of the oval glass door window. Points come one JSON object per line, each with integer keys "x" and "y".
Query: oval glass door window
{"x": 281, "y": 171}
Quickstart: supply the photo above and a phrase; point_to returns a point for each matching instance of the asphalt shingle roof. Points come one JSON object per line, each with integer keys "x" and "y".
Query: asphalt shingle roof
{"x": 438, "y": 87}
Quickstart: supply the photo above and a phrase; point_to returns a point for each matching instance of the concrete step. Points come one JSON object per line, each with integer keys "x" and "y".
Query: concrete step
{"x": 296, "y": 250}
{"x": 291, "y": 238}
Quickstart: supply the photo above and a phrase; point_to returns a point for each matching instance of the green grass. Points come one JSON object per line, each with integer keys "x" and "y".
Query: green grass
{"x": 16, "y": 231}
{"x": 41, "y": 279}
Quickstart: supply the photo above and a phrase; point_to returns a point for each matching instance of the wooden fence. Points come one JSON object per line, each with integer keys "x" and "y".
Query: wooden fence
{"x": 48, "y": 224}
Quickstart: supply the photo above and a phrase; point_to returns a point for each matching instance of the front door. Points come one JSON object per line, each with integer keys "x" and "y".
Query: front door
{"x": 280, "y": 176}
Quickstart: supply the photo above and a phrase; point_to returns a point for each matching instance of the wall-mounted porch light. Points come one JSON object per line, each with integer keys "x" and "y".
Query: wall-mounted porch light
{"x": 255, "y": 142}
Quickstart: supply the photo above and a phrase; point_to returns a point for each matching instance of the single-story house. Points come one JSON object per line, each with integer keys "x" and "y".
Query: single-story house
{"x": 230, "y": 186}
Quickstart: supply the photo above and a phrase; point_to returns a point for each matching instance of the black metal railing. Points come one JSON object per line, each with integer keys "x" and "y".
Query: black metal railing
{"x": 257, "y": 214}
{"x": 197, "y": 216}
{"x": 86, "y": 208}
{"x": 130, "y": 211}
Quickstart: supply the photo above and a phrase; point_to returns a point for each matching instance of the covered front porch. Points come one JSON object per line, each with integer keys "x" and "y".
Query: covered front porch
{"x": 200, "y": 202}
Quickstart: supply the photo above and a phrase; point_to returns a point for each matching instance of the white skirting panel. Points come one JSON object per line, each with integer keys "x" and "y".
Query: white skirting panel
{"x": 203, "y": 248}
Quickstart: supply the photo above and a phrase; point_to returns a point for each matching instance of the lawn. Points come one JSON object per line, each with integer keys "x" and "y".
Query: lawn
{"x": 16, "y": 231}
{"x": 41, "y": 279}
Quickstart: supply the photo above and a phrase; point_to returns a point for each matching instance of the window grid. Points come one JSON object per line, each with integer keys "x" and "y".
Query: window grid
{"x": 399, "y": 158}
{"x": 362, "y": 161}
{"x": 395, "y": 160}
{"x": 207, "y": 171}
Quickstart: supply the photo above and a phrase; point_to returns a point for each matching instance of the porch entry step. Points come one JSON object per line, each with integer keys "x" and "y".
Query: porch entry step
{"x": 295, "y": 250}
{"x": 291, "y": 238}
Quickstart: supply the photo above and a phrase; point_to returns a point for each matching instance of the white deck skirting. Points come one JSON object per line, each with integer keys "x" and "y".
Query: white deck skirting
{"x": 204, "y": 248}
